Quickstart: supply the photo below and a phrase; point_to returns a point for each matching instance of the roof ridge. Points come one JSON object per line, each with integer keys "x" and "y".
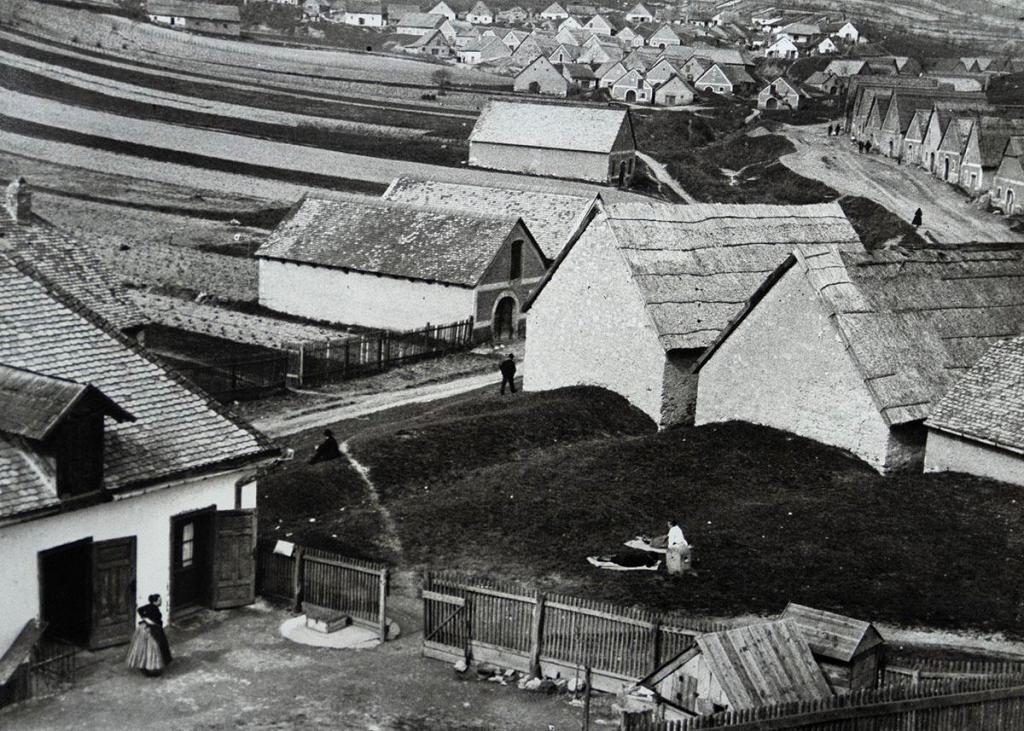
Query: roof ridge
{"x": 373, "y": 201}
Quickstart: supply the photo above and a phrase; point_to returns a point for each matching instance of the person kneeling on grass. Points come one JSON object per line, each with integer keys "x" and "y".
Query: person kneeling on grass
{"x": 677, "y": 552}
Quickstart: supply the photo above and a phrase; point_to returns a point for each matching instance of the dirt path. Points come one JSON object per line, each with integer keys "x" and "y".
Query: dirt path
{"x": 280, "y": 425}
{"x": 662, "y": 174}
{"x": 948, "y": 217}
{"x": 391, "y": 540}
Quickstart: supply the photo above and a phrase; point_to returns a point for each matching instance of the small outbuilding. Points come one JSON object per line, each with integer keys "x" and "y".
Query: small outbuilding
{"x": 978, "y": 426}
{"x": 850, "y": 652}
{"x": 198, "y": 17}
{"x": 740, "y": 669}
{"x": 396, "y": 266}
{"x": 364, "y": 13}
{"x": 725, "y": 79}
{"x": 673, "y": 93}
{"x": 781, "y": 94}
{"x": 542, "y": 139}
{"x": 541, "y": 77}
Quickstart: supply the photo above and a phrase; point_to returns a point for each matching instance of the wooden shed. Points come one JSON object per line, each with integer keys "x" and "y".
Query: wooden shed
{"x": 748, "y": 667}
{"x": 848, "y": 651}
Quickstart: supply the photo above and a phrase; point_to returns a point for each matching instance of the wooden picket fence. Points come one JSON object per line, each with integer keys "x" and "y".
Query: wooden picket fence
{"x": 516, "y": 627}
{"x": 984, "y": 704}
{"x": 913, "y": 673}
{"x": 337, "y": 360}
{"x": 355, "y": 587}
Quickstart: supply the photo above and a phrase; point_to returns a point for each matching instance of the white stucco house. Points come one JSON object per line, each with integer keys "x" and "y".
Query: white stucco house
{"x": 364, "y": 13}
{"x": 852, "y": 348}
{"x": 635, "y": 299}
{"x": 595, "y": 144}
{"x": 392, "y": 265}
{"x": 117, "y": 479}
{"x": 977, "y": 427}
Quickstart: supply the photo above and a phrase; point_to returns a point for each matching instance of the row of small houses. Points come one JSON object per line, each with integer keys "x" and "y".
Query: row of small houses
{"x": 958, "y": 137}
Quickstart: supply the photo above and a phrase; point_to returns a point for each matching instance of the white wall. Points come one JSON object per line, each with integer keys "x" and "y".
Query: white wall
{"x": 147, "y": 517}
{"x": 353, "y": 298}
{"x": 589, "y": 327}
{"x": 558, "y": 163}
{"x": 786, "y": 367}
{"x": 948, "y": 453}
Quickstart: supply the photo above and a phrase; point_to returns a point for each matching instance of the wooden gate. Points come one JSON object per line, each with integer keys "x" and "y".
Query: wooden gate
{"x": 113, "y": 592}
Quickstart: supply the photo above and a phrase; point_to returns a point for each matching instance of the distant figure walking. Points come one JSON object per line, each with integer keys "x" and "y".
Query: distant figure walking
{"x": 867, "y": 146}
{"x": 150, "y": 651}
{"x": 860, "y": 146}
{"x": 508, "y": 373}
{"x": 677, "y": 551}
{"x": 327, "y": 450}
{"x": 917, "y": 218}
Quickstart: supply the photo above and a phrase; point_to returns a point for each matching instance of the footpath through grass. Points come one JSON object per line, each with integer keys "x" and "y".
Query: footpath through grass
{"x": 528, "y": 488}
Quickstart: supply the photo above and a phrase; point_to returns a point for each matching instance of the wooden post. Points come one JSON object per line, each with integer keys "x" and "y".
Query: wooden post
{"x": 302, "y": 363}
{"x": 382, "y": 621}
{"x": 536, "y": 634}
{"x": 297, "y": 580}
{"x": 468, "y": 628}
{"x": 586, "y": 699}
{"x": 427, "y": 629}
{"x": 654, "y": 648}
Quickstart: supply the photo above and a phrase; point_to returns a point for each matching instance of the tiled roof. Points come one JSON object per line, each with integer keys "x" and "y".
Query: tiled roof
{"x": 763, "y": 664}
{"x": 993, "y": 135}
{"x": 987, "y": 402}
{"x": 549, "y": 126}
{"x": 385, "y": 237}
{"x": 72, "y": 265}
{"x": 26, "y": 481}
{"x": 913, "y": 322}
{"x": 421, "y": 20}
{"x": 177, "y": 430}
{"x": 364, "y": 7}
{"x": 186, "y": 9}
{"x": 552, "y": 217}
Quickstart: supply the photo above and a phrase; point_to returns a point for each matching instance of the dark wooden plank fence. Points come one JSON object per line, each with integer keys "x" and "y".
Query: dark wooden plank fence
{"x": 234, "y": 379}
{"x": 516, "y": 627}
{"x": 982, "y": 704}
{"x": 336, "y": 360}
{"x": 355, "y": 587}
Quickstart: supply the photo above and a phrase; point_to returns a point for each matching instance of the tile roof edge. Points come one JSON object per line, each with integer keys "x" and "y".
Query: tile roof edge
{"x": 402, "y": 205}
{"x": 58, "y": 293}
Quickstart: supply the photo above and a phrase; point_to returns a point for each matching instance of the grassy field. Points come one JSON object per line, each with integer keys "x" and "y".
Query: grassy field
{"x": 526, "y": 489}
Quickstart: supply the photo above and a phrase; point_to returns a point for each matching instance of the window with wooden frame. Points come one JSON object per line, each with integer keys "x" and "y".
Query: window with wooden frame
{"x": 188, "y": 545}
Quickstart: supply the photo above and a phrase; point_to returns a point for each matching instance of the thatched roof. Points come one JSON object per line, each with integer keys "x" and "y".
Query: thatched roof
{"x": 695, "y": 266}
{"x": 913, "y": 322}
{"x": 987, "y": 403}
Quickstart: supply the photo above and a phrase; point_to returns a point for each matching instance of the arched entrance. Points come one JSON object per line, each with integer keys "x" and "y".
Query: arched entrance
{"x": 772, "y": 103}
{"x": 945, "y": 169}
{"x": 1009, "y": 202}
{"x": 505, "y": 317}
{"x": 891, "y": 149}
{"x": 622, "y": 174}
{"x": 631, "y": 96}
{"x": 931, "y": 162}
{"x": 534, "y": 87}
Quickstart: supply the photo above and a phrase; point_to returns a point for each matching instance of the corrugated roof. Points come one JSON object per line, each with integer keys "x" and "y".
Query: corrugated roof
{"x": 697, "y": 265}
{"x": 32, "y": 405}
{"x": 763, "y": 664}
{"x": 177, "y": 430}
{"x": 72, "y": 265}
{"x": 552, "y": 217}
{"x": 987, "y": 402}
{"x": 187, "y": 9}
{"x": 915, "y": 321}
{"x": 386, "y": 237}
{"x": 832, "y": 635}
{"x": 549, "y": 126}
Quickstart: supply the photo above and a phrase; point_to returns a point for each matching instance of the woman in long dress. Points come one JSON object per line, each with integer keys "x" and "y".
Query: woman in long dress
{"x": 149, "y": 650}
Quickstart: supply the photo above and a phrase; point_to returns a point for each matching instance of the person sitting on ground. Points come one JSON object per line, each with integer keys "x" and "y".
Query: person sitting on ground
{"x": 677, "y": 552}
{"x": 327, "y": 450}
{"x": 508, "y": 373}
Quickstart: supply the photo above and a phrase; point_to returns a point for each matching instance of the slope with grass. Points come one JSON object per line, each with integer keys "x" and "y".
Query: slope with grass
{"x": 522, "y": 490}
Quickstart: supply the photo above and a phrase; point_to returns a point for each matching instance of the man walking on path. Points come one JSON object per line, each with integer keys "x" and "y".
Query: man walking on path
{"x": 917, "y": 218}
{"x": 508, "y": 373}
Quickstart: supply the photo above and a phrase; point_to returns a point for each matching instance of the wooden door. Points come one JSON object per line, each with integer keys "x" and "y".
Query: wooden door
{"x": 234, "y": 559}
{"x": 113, "y": 592}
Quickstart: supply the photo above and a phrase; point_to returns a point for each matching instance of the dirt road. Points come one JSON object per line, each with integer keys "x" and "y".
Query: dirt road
{"x": 948, "y": 216}
{"x": 661, "y": 173}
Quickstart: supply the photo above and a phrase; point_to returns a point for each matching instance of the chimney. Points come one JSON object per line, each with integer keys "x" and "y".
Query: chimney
{"x": 18, "y": 201}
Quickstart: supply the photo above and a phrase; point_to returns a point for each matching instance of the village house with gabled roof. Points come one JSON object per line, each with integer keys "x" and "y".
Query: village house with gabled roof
{"x": 852, "y": 348}
{"x": 433, "y": 44}
{"x": 443, "y": 8}
{"x": 482, "y": 51}
{"x": 600, "y": 54}
{"x": 663, "y": 70}
{"x": 762, "y": 664}
{"x": 608, "y": 73}
{"x": 396, "y": 11}
{"x": 554, "y": 217}
{"x": 630, "y": 37}
{"x": 782, "y": 47}
{"x": 397, "y": 266}
{"x": 580, "y": 76}
{"x": 368, "y": 13}
{"x": 724, "y": 79}
{"x": 530, "y": 49}
{"x": 570, "y": 23}
{"x": 850, "y": 652}
{"x": 1008, "y": 182}
{"x": 781, "y": 93}
{"x": 977, "y": 427}
{"x": 672, "y": 92}
{"x": 824, "y": 82}
{"x": 633, "y": 88}
{"x": 198, "y": 17}
{"x": 554, "y": 11}
{"x": 641, "y": 58}
{"x": 639, "y": 14}
{"x": 480, "y": 14}
{"x": 600, "y": 24}
{"x": 592, "y": 144}
{"x": 849, "y": 33}
{"x": 117, "y": 478}
{"x": 984, "y": 150}
{"x": 514, "y": 14}
{"x": 420, "y": 24}
{"x": 565, "y": 54}
{"x": 826, "y": 47}
{"x": 541, "y": 77}
{"x": 663, "y": 37}
{"x": 950, "y": 151}
{"x": 633, "y": 301}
